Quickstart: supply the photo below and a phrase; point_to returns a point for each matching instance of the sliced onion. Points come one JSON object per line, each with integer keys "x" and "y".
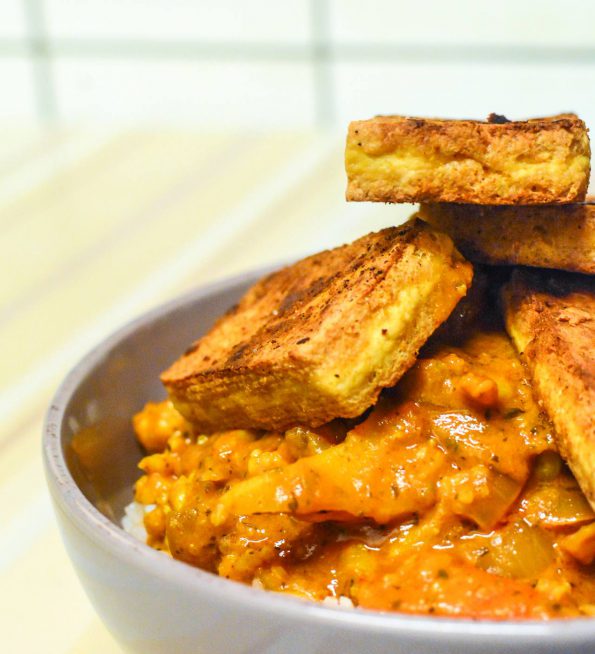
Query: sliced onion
{"x": 518, "y": 551}
{"x": 488, "y": 511}
{"x": 553, "y": 498}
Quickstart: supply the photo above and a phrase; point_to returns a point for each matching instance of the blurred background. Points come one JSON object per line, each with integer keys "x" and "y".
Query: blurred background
{"x": 294, "y": 64}
{"x": 149, "y": 146}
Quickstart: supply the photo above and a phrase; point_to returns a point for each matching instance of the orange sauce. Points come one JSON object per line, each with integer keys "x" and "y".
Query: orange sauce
{"x": 447, "y": 498}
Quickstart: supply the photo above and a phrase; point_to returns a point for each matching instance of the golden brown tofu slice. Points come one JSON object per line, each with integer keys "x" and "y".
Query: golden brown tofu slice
{"x": 399, "y": 159}
{"x": 550, "y": 316}
{"x": 546, "y": 236}
{"x": 319, "y": 339}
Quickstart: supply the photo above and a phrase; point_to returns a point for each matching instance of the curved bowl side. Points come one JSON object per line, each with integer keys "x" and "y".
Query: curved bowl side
{"x": 154, "y": 604}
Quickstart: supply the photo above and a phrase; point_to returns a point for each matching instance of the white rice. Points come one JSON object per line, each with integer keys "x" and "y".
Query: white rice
{"x": 132, "y": 520}
{"x": 340, "y": 602}
{"x": 132, "y": 523}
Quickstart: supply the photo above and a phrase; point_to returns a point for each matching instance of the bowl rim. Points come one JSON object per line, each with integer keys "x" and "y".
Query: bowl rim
{"x": 111, "y": 538}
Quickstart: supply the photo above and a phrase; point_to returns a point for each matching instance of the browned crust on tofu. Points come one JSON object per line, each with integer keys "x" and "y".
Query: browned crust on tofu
{"x": 548, "y": 236}
{"x": 399, "y": 159}
{"x": 551, "y": 319}
{"x": 320, "y": 339}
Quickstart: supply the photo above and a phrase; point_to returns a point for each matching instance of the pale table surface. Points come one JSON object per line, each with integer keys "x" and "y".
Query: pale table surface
{"x": 98, "y": 226}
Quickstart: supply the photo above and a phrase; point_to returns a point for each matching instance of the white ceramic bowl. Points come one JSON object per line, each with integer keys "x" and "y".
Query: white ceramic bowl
{"x": 152, "y": 603}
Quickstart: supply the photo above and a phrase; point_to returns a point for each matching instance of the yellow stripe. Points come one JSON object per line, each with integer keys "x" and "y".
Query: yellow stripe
{"x": 21, "y": 148}
{"x": 95, "y": 287}
{"x": 44, "y": 606}
{"x": 96, "y": 640}
{"x": 103, "y": 234}
{"x": 73, "y": 212}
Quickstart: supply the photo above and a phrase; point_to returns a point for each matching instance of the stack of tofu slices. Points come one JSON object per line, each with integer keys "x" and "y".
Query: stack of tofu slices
{"x": 508, "y": 194}
{"x": 321, "y": 338}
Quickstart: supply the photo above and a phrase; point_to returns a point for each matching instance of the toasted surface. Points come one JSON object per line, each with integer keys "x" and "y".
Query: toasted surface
{"x": 551, "y": 319}
{"x": 319, "y": 340}
{"x": 398, "y": 159}
{"x": 548, "y": 236}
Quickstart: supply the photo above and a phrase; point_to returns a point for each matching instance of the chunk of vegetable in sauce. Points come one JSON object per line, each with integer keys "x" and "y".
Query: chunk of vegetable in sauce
{"x": 448, "y": 498}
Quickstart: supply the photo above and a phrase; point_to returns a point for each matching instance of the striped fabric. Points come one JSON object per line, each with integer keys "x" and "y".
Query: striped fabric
{"x": 97, "y": 227}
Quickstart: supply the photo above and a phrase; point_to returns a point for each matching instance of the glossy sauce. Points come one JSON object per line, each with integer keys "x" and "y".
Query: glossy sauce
{"x": 448, "y": 498}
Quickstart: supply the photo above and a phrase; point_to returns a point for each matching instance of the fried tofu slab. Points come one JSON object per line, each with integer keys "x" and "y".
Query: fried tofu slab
{"x": 319, "y": 340}
{"x": 550, "y": 317}
{"x": 399, "y": 159}
{"x": 548, "y": 236}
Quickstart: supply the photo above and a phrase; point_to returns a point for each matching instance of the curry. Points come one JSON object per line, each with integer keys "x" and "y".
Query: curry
{"x": 446, "y": 498}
